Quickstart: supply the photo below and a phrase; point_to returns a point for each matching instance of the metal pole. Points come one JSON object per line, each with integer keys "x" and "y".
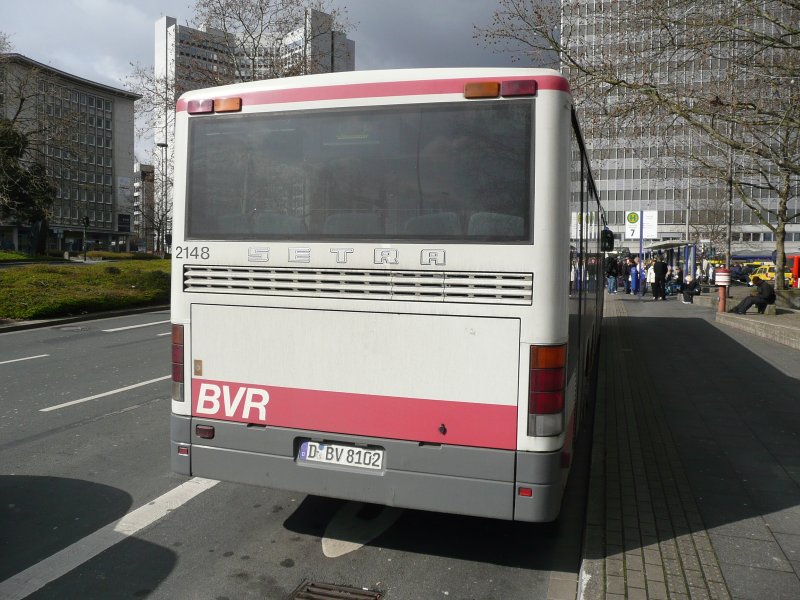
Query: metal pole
{"x": 730, "y": 207}
{"x": 162, "y": 210}
{"x": 640, "y": 287}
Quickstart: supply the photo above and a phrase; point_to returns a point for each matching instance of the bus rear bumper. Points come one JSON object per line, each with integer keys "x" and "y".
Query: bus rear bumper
{"x": 453, "y": 479}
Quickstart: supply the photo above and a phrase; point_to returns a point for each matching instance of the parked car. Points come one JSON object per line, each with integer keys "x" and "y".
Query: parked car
{"x": 767, "y": 273}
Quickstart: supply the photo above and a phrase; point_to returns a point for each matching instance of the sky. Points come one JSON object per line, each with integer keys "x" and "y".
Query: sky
{"x": 100, "y": 39}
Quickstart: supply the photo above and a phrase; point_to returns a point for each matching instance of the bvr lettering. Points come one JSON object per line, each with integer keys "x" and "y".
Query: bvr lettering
{"x": 225, "y": 400}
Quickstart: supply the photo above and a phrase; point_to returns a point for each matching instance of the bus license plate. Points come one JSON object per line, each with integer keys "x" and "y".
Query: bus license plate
{"x": 334, "y": 454}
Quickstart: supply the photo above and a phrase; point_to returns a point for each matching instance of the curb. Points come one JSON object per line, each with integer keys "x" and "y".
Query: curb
{"x": 39, "y": 323}
{"x": 763, "y": 327}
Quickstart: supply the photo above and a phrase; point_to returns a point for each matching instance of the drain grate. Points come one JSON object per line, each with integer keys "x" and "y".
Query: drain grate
{"x": 314, "y": 590}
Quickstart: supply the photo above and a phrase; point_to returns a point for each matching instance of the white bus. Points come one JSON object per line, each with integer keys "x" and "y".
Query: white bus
{"x": 384, "y": 287}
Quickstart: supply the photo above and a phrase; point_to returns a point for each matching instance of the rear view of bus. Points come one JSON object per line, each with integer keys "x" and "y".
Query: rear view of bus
{"x": 371, "y": 288}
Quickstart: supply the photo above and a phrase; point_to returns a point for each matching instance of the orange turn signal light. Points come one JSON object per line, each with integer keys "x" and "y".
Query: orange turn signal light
{"x": 227, "y": 104}
{"x": 548, "y": 357}
{"x": 482, "y": 89}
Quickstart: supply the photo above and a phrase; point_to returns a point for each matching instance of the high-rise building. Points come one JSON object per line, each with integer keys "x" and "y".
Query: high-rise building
{"x": 646, "y": 163}
{"x": 187, "y": 59}
{"x": 144, "y": 207}
{"x": 82, "y": 131}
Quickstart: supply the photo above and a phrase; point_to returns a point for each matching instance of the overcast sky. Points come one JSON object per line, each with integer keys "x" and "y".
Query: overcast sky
{"x": 99, "y": 39}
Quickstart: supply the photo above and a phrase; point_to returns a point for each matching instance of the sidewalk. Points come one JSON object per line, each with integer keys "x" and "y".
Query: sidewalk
{"x": 695, "y": 476}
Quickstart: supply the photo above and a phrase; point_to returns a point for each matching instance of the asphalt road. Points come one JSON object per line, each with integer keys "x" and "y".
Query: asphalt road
{"x": 90, "y": 509}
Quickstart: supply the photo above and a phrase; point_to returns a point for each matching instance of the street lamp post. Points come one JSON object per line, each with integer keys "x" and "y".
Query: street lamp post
{"x": 730, "y": 208}
{"x": 163, "y": 146}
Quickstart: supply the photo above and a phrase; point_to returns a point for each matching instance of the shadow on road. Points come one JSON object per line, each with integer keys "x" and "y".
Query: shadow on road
{"x": 40, "y": 516}
{"x": 531, "y": 546}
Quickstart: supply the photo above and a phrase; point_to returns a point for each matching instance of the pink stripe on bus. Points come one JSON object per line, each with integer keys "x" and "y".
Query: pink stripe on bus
{"x": 379, "y": 90}
{"x": 466, "y": 423}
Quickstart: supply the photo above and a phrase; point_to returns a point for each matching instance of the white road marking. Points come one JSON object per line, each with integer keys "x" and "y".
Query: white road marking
{"x": 134, "y": 326}
{"x": 104, "y": 394}
{"x": 347, "y": 531}
{"x": 163, "y": 334}
{"x": 5, "y": 362}
{"x": 62, "y": 562}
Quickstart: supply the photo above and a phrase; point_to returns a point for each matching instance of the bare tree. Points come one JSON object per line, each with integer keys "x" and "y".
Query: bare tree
{"x": 241, "y": 40}
{"x": 230, "y": 41}
{"x": 732, "y": 83}
{"x": 274, "y": 38}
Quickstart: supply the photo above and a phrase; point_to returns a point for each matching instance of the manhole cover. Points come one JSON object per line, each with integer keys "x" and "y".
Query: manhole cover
{"x": 314, "y": 590}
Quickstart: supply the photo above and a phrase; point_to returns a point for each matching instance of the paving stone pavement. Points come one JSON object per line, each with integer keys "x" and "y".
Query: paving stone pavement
{"x": 694, "y": 490}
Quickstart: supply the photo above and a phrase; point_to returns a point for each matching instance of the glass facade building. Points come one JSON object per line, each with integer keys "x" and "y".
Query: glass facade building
{"x": 644, "y": 160}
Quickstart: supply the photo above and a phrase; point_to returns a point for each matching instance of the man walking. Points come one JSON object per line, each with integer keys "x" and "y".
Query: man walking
{"x": 659, "y": 279}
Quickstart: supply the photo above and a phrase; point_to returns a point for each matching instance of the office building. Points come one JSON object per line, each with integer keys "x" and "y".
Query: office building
{"x": 88, "y": 153}
{"x": 144, "y": 214}
{"x": 642, "y": 162}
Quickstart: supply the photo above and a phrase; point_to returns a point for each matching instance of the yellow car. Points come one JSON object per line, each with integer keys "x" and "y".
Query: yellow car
{"x": 767, "y": 273}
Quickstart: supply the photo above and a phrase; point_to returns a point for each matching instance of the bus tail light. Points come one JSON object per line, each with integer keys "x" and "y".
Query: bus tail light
{"x": 199, "y": 107}
{"x": 209, "y": 105}
{"x": 547, "y": 390}
{"x": 177, "y": 362}
{"x": 518, "y": 87}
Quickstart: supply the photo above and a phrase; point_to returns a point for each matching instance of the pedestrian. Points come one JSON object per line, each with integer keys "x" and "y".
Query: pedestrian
{"x": 611, "y": 274}
{"x": 659, "y": 279}
{"x": 689, "y": 288}
{"x": 762, "y": 297}
{"x": 651, "y": 280}
{"x": 626, "y": 274}
{"x": 635, "y": 280}
{"x": 642, "y": 278}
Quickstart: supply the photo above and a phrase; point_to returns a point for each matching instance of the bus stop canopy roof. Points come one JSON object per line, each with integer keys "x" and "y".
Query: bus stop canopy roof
{"x": 667, "y": 244}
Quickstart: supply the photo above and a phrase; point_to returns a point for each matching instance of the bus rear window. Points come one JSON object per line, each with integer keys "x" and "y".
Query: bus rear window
{"x": 449, "y": 172}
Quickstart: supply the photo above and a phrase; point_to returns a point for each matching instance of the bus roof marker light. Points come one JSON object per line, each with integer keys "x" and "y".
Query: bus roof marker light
{"x": 199, "y": 107}
{"x": 482, "y": 89}
{"x": 518, "y": 87}
{"x": 227, "y": 104}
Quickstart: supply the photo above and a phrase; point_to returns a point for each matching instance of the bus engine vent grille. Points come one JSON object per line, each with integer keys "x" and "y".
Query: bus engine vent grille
{"x": 417, "y": 286}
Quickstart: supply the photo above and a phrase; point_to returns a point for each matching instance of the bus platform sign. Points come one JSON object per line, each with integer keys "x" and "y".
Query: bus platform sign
{"x": 642, "y": 224}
